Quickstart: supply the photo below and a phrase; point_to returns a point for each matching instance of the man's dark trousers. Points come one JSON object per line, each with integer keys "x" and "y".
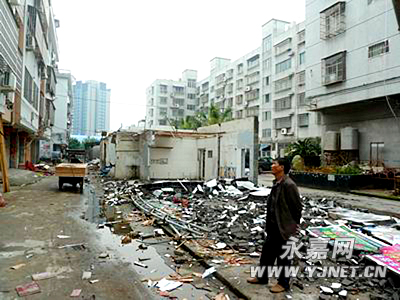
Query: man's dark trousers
{"x": 272, "y": 250}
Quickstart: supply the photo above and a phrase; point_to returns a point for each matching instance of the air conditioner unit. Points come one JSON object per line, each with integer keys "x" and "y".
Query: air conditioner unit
{"x": 284, "y": 131}
{"x": 291, "y": 53}
{"x": 8, "y": 82}
{"x": 248, "y": 88}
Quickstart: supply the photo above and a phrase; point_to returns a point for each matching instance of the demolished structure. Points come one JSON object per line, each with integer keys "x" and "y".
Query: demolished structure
{"x": 227, "y": 150}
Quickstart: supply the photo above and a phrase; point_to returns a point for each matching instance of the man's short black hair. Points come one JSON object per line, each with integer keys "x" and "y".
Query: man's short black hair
{"x": 285, "y": 163}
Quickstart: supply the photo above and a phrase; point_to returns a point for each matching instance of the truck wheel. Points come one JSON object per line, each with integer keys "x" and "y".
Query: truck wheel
{"x": 81, "y": 186}
{"x": 60, "y": 183}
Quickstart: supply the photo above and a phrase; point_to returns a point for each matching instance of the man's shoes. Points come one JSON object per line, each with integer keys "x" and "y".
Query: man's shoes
{"x": 277, "y": 288}
{"x": 255, "y": 280}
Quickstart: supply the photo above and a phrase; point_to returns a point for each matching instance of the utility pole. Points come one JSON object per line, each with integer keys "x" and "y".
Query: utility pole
{"x": 3, "y": 161}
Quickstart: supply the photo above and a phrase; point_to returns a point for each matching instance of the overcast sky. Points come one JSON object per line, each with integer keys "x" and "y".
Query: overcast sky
{"x": 130, "y": 43}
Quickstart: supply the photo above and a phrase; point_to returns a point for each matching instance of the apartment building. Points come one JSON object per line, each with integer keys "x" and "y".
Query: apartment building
{"x": 29, "y": 56}
{"x": 91, "y": 110}
{"x": 63, "y": 114}
{"x": 353, "y": 77}
{"x": 284, "y": 113}
{"x": 169, "y": 101}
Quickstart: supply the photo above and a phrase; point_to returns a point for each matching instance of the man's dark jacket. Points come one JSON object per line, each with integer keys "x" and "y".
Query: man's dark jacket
{"x": 287, "y": 206}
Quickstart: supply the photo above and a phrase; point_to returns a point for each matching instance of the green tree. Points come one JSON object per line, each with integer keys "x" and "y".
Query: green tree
{"x": 215, "y": 116}
{"x": 89, "y": 142}
{"x": 74, "y": 143}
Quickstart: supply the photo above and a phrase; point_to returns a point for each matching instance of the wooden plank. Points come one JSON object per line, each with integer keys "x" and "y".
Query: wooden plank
{"x": 71, "y": 170}
{"x": 3, "y": 161}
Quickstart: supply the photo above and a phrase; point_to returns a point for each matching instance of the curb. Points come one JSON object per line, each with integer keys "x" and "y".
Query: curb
{"x": 360, "y": 193}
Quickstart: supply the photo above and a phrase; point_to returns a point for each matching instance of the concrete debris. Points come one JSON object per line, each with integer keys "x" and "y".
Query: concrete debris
{"x": 16, "y": 267}
{"x": 44, "y": 275}
{"x": 86, "y": 275}
{"x": 76, "y": 293}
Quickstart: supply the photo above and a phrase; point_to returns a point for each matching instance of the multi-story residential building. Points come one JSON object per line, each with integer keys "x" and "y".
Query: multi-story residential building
{"x": 284, "y": 113}
{"x": 63, "y": 114}
{"x": 91, "y": 109}
{"x": 353, "y": 77}
{"x": 169, "y": 102}
{"x": 30, "y": 54}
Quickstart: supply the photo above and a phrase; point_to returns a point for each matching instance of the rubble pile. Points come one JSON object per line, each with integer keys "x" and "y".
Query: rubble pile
{"x": 227, "y": 219}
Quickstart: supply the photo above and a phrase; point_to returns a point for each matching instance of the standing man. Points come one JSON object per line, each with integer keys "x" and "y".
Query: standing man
{"x": 284, "y": 208}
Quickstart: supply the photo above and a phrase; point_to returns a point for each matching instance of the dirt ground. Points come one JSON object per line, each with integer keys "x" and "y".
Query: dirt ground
{"x": 29, "y": 226}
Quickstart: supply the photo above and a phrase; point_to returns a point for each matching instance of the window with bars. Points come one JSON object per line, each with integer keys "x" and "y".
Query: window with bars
{"x": 378, "y": 49}
{"x": 252, "y": 112}
{"x": 163, "y": 111}
{"x": 162, "y": 122}
{"x": 266, "y": 98}
{"x": 267, "y": 44}
{"x": 253, "y": 62}
{"x": 204, "y": 87}
{"x": 239, "y": 114}
{"x": 252, "y": 95}
{"x": 266, "y": 81}
{"x": 229, "y": 74}
{"x": 303, "y": 120}
{"x": 301, "y": 99}
{"x": 151, "y": 112}
{"x": 239, "y": 99}
{"x": 163, "y": 89}
{"x": 191, "y": 96}
{"x": 283, "y": 66}
{"x": 283, "y": 46}
{"x": 266, "y": 133}
{"x": 267, "y": 64}
{"x": 334, "y": 68}
{"x": 191, "y": 107}
{"x": 285, "y": 122}
{"x": 283, "y": 103}
{"x": 178, "y": 102}
{"x": 191, "y": 83}
{"x": 266, "y": 115}
{"x": 239, "y": 84}
{"x": 229, "y": 88}
{"x": 283, "y": 84}
{"x": 332, "y": 20}
{"x": 220, "y": 78}
{"x": 240, "y": 68}
{"x": 253, "y": 78}
{"x": 301, "y": 78}
{"x": 301, "y": 36}
{"x": 178, "y": 90}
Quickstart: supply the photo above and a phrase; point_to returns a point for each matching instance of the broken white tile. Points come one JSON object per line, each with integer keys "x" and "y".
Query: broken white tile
{"x": 208, "y": 272}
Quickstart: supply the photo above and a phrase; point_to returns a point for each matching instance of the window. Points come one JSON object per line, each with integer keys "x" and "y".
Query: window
{"x": 163, "y": 111}
{"x": 283, "y": 103}
{"x": 239, "y": 114}
{"x": 285, "y": 122}
{"x": 151, "y": 112}
{"x": 178, "y": 90}
{"x": 253, "y": 62}
{"x": 302, "y": 58}
{"x": 266, "y": 81}
{"x": 220, "y": 79}
{"x": 334, "y": 68}
{"x": 378, "y": 49}
{"x": 283, "y": 66}
{"x": 253, "y": 78}
{"x": 252, "y": 112}
{"x": 209, "y": 153}
{"x": 162, "y": 122}
{"x": 239, "y": 84}
{"x": 252, "y": 95}
{"x": 266, "y": 98}
{"x": 319, "y": 118}
{"x": 267, "y": 64}
{"x": 191, "y": 96}
{"x": 283, "y": 84}
{"x": 266, "y": 115}
{"x": 191, "y": 107}
{"x": 301, "y": 36}
{"x": 239, "y": 99}
{"x": 212, "y": 89}
{"x": 204, "y": 87}
{"x": 152, "y": 90}
{"x": 266, "y": 133}
{"x": 31, "y": 91}
{"x": 163, "y": 100}
{"x": 191, "y": 83}
{"x": 267, "y": 44}
{"x": 283, "y": 46}
{"x": 332, "y": 20}
{"x": 303, "y": 120}
{"x": 178, "y": 102}
{"x": 163, "y": 89}
{"x": 229, "y": 88}
{"x": 240, "y": 68}
{"x": 301, "y": 78}
{"x": 301, "y": 99}
{"x": 229, "y": 74}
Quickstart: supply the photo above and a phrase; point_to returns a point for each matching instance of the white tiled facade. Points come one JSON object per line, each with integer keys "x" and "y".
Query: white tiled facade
{"x": 171, "y": 101}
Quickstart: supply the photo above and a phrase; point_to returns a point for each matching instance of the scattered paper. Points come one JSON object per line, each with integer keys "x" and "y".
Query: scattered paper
{"x": 219, "y": 246}
{"x": 212, "y": 183}
{"x": 44, "y": 275}
{"x": 208, "y": 272}
{"x": 166, "y": 285}
{"x": 326, "y": 289}
{"x": 343, "y": 293}
{"x": 76, "y": 293}
{"x": 86, "y": 275}
{"x": 63, "y": 236}
{"x": 27, "y": 289}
